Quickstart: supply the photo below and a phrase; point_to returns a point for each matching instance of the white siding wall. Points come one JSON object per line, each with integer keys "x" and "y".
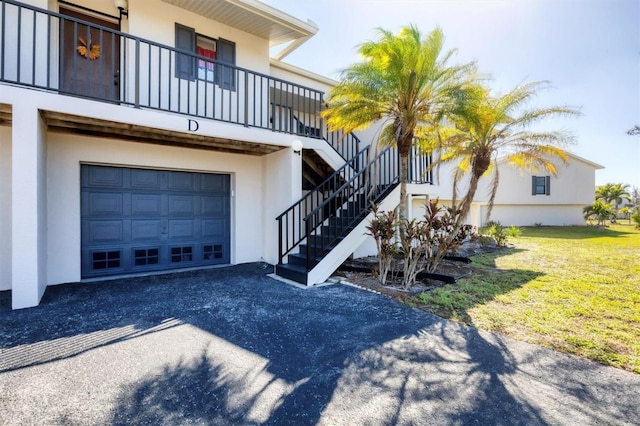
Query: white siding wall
{"x": 5, "y": 208}
{"x": 528, "y": 215}
{"x": 574, "y": 184}
{"x": 67, "y": 152}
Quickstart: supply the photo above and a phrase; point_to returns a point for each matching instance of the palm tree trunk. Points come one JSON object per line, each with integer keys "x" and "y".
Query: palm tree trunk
{"x": 404, "y": 165}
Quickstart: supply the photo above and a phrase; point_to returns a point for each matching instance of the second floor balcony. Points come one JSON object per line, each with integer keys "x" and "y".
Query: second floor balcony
{"x": 73, "y": 55}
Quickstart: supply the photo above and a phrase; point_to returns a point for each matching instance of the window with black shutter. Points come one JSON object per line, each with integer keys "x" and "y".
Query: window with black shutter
{"x": 541, "y": 185}
{"x": 222, "y": 51}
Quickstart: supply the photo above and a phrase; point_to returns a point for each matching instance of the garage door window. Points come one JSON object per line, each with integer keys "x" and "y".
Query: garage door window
{"x": 106, "y": 259}
{"x": 212, "y": 252}
{"x": 181, "y": 254}
{"x": 145, "y": 256}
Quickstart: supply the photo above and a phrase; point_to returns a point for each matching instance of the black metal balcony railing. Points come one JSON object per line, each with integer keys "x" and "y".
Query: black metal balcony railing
{"x": 56, "y": 52}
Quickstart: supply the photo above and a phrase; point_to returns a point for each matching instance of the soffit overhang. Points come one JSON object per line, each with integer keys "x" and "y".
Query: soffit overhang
{"x": 253, "y": 17}
{"x": 90, "y": 126}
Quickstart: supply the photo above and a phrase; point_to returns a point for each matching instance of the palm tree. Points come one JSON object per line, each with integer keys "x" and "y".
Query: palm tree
{"x": 486, "y": 126}
{"x": 614, "y": 193}
{"x": 405, "y": 81}
{"x": 634, "y": 131}
{"x": 598, "y": 211}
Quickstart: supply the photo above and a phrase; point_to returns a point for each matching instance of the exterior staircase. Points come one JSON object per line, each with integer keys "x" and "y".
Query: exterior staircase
{"x": 324, "y": 227}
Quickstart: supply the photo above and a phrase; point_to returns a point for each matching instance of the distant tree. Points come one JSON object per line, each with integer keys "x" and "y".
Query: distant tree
{"x": 599, "y": 212}
{"x": 613, "y": 193}
{"x": 626, "y": 212}
{"x": 635, "y": 198}
{"x": 634, "y": 131}
{"x": 636, "y": 218}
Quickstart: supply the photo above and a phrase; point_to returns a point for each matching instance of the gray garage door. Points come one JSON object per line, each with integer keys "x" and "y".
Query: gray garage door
{"x": 136, "y": 220}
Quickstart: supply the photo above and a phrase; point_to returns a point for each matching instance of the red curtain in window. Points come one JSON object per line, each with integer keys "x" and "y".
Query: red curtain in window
{"x": 207, "y": 53}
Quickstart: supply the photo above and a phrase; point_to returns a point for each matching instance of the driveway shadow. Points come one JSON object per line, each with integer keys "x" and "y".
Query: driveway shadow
{"x": 232, "y": 346}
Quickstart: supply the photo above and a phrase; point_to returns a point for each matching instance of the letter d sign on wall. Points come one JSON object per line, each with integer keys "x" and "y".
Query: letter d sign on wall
{"x": 193, "y": 126}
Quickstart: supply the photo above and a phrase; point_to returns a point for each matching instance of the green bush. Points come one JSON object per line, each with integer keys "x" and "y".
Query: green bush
{"x": 513, "y": 231}
{"x": 636, "y": 219}
{"x": 498, "y": 232}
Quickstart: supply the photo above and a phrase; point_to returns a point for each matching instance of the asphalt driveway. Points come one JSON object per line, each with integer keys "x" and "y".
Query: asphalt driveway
{"x": 233, "y": 346}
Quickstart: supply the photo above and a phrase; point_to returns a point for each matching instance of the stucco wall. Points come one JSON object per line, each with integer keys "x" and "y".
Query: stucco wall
{"x": 574, "y": 184}
{"x": 282, "y": 187}
{"x": 67, "y": 152}
{"x": 5, "y": 208}
{"x": 529, "y": 215}
{"x": 155, "y": 20}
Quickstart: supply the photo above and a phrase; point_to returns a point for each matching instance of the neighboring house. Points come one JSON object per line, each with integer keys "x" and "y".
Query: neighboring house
{"x": 526, "y": 198}
{"x": 162, "y": 136}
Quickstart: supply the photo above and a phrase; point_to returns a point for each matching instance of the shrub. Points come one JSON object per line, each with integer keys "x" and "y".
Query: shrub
{"x": 424, "y": 243}
{"x": 497, "y": 231}
{"x": 513, "y": 231}
{"x": 636, "y": 219}
{"x": 383, "y": 230}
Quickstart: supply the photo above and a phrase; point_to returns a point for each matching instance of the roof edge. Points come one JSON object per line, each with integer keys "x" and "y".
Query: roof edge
{"x": 274, "y": 62}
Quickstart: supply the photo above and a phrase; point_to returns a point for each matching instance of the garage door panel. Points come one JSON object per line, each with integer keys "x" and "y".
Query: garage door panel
{"x": 181, "y": 229}
{"x": 214, "y": 228}
{"x": 142, "y": 220}
{"x": 105, "y": 204}
{"x": 214, "y": 205}
{"x": 146, "y": 179}
{"x": 215, "y": 183}
{"x": 106, "y": 177}
{"x": 183, "y": 205}
{"x": 142, "y": 230}
{"x": 183, "y": 181}
{"x": 106, "y": 232}
{"x": 146, "y": 204}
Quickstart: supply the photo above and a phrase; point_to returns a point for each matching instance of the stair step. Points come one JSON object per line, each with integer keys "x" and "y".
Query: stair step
{"x": 293, "y": 272}
{"x": 323, "y": 239}
{"x": 315, "y": 250}
{"x": 300, "y": 259}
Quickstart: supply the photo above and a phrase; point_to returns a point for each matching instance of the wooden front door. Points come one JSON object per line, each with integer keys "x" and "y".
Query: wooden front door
{"x": 90, "y": 57}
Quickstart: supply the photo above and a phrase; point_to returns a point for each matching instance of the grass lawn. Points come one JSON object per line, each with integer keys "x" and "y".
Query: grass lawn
{"x": 574, "y": 289}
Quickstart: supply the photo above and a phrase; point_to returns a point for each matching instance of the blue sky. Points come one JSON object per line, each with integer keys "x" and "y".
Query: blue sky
{"x": 589, "y": 50}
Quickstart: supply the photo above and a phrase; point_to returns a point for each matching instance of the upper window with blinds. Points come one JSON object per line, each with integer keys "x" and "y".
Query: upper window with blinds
{"x": 219, "y": 70}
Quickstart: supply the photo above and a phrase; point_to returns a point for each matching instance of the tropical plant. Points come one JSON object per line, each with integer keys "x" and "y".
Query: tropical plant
{"x": 613, "y": 193}
{"x": 599, "y": 212}
{"x": 634, "y": 131}
{"x": 496, "y": 231}
{"x": 636, "y": 218}
{"x": 514, "y": 231}
{"x": 487, "y": 125}
{"x": 425, "y": 244}
{"x": 626, "y": 213}
{"x": 405, "y": 80}
{"x": 383, "y": 230}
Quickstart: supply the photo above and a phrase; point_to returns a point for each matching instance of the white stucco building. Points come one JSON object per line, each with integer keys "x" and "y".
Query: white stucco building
{"x": 162, "y": 136}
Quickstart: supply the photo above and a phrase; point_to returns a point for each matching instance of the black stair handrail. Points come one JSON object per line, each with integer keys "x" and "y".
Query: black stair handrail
{"x": 347, "y": 145}
{"x": 290, "y": 223}
{"x": 353, "y": 199}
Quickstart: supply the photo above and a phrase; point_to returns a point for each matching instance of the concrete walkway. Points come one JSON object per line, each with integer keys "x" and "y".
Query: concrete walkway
{"x": 233, "y": 346}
